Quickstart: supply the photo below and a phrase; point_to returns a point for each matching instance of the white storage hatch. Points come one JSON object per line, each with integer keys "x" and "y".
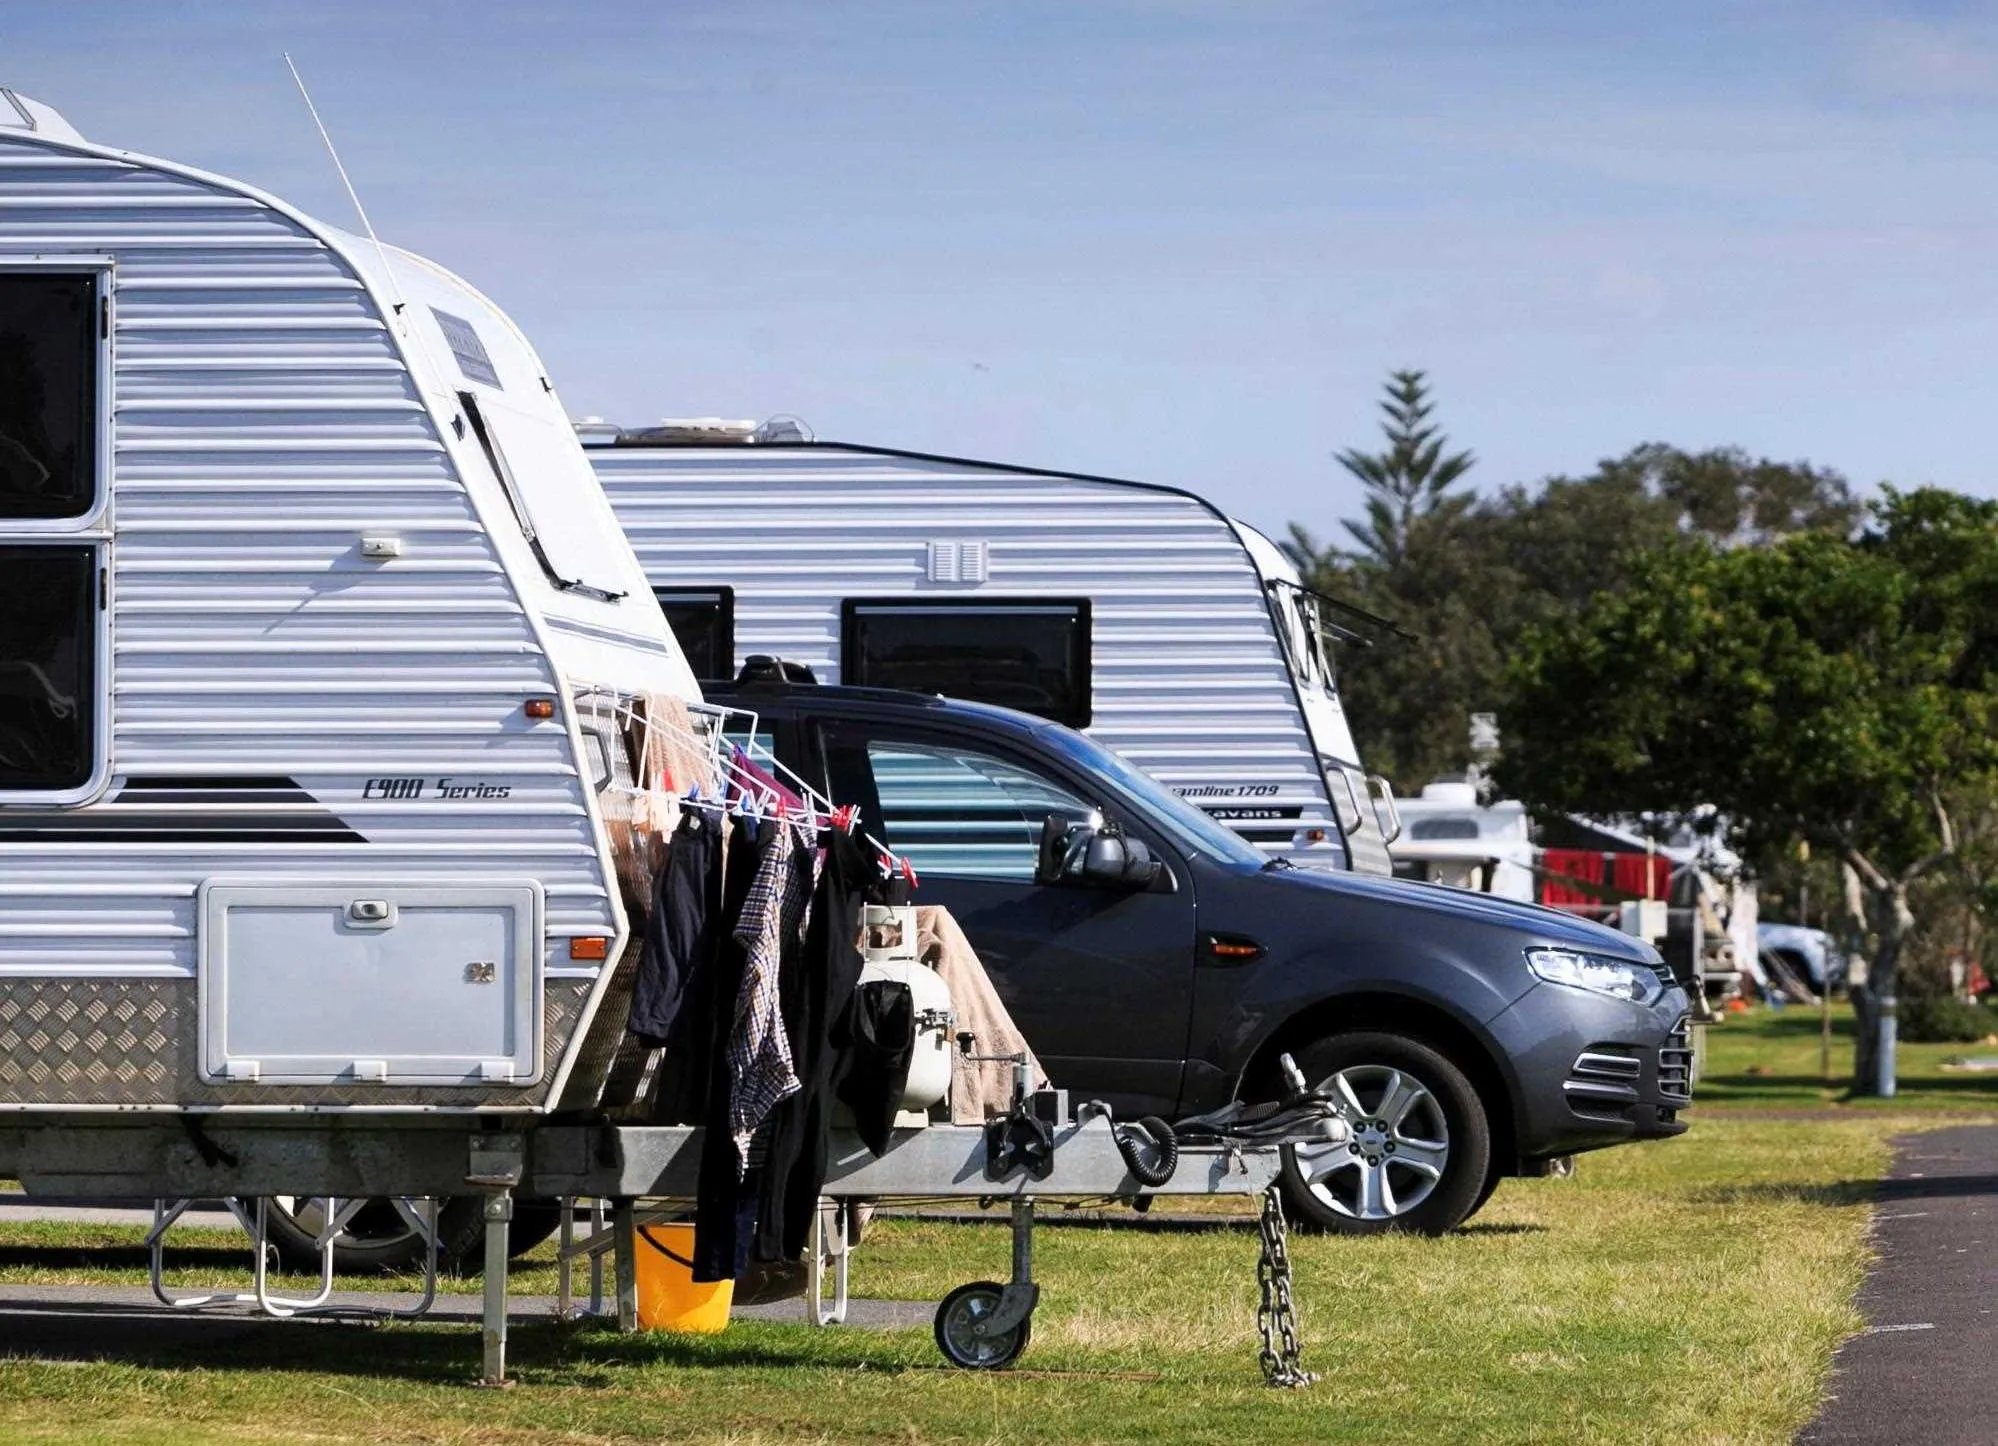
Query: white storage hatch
{"x": 400, "y": 984}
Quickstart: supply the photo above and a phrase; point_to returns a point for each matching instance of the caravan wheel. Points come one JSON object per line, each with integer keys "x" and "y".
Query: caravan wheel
{"x": 386, "y": 1236}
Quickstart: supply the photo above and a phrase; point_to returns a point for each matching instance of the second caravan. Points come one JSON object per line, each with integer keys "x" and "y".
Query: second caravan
{"x": 1138, "y": 613}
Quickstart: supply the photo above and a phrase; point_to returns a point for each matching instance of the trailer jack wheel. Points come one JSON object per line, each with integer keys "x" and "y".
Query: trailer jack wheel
{"x": 972, "y": 1330}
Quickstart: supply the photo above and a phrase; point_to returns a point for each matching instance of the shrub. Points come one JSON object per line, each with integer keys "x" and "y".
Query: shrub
{"x": 1943, "y": 1019}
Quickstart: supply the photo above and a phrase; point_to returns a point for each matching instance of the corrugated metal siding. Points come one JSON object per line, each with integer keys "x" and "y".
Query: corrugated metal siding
{"x": 264, "y": 419}
{"x": 1190, "y": 681}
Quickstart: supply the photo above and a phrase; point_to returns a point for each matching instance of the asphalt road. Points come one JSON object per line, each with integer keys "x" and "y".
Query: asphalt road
{"x": 1922, "y": 1373}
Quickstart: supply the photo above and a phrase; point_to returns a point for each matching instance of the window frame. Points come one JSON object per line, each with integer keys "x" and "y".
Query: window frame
{"x": 822, "y": 738}
{"x": 89, "y": 532}
{"x": 1085, "y": 622}
{"x": 724, "y": 596}
{"x": 94, "y": 519}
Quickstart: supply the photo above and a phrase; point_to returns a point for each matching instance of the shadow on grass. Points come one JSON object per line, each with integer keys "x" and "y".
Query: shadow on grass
{"x": 1966, "y": 1083}
{"x": 1852, "y": 1192}
{"x": 94, "y": 1258}
{"x": 163, "y": 1340}
{"x": 1134, "y": 1220}
{"x": 1501, "y": 1227}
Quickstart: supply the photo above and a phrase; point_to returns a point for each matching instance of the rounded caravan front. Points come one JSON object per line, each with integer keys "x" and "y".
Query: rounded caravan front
{"x": 293, "y": 531}
{"x": 1138, "y": 613}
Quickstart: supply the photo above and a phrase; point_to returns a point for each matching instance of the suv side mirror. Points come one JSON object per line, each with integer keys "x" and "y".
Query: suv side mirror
{"x": 1101, "y": 855}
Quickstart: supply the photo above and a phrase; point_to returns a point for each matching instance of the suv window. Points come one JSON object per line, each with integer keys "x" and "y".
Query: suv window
{"x": 952, "y": 810}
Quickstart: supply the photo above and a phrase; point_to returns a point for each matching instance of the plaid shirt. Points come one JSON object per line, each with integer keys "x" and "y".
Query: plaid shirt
{"x": 761, "y": 1073}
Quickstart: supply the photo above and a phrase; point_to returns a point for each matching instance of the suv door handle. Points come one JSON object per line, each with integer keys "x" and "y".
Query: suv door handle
{"x": 1229, "y": 951}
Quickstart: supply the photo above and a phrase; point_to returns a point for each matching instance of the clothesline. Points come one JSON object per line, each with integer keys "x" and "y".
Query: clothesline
{"x": 744, "y": 780}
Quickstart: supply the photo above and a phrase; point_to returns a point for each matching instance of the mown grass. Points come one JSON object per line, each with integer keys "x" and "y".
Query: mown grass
{"x": 1772, "y": 1058}
{"x": 1686, "y": 1291}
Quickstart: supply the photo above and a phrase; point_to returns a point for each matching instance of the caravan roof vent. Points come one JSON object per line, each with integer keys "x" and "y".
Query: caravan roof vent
{"x": 707, "y": 429}
{"x": 969, "y": 561}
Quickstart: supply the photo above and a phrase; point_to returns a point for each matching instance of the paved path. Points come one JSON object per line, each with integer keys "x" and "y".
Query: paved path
{"x": 1922, "y": 1373}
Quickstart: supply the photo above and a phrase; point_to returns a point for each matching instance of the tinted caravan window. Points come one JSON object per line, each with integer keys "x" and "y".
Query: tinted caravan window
{"x": 48, "y": 666}
{"x": 1032, "y": 655}
{"x": 48, "y": 395}
{"x": 703, "y": 619}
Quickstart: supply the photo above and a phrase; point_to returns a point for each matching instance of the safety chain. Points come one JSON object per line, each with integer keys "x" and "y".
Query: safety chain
{"x": 1275, "y": 1315}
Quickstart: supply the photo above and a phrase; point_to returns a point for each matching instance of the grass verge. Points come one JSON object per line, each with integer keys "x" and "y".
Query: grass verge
{"x": 1773, "y": 1059}
{"x": 1687, "y": 1291}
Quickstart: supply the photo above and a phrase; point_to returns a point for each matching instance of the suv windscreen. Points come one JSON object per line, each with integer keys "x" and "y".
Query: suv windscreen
{"x": 1188, "y": 826}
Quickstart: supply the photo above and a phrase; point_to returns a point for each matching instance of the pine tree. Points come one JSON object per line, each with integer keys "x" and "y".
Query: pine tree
{"x": 1408, "y": 483}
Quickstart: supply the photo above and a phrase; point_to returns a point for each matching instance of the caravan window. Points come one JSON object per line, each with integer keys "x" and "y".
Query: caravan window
{"x": 48, "y": 395}
{"x": 52, "y": 378}
{"x": 1026, "y": 653}
{"x": 1303, "y": 637}
{"x": 48, "y": 666}
{"x": 703, "y": 620}
{"x": 562, "y": 535}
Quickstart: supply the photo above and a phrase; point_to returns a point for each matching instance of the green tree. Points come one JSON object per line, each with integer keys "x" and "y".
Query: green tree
{"x": 1465, "y": 578}
{"x": 1839, "y": 691}
{"x": 1407, "y": 484}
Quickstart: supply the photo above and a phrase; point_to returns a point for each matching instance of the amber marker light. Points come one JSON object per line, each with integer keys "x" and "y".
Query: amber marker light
{"x": 592, "y": 948}
{"x": 540, "y": 708}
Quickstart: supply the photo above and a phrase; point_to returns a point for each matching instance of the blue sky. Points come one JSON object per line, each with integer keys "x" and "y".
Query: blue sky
{"x": 1181, "y": 240}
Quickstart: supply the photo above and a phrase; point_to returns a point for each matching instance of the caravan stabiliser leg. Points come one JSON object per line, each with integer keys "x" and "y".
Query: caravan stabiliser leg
{"x": 985, "y": 1326}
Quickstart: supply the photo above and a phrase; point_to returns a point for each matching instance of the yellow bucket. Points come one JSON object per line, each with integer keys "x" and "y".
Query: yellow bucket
{"x": 669, "y": 1299}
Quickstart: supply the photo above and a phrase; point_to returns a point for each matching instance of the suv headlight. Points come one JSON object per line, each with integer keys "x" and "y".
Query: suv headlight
{"x": 1618, "y": 978}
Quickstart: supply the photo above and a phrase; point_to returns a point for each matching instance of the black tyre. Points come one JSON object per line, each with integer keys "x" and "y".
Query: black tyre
{"x": 961, "y": 1335}
{"x": 384, "y": 1237}
{"x": 1421, "y": 1153}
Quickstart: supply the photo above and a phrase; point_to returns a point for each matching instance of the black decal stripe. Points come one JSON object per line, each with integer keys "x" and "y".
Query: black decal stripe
{"x": 136, "y": 815}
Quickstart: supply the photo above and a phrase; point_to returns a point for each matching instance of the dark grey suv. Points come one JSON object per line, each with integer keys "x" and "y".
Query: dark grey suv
{"x": 1158, "y": 962}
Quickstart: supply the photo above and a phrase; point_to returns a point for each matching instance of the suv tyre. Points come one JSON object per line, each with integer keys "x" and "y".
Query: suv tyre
{"x": 1421, "y": 1149}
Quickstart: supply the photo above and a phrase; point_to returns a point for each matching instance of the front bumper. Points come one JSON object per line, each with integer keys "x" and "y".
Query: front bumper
{"x": 1591, "y": 1071}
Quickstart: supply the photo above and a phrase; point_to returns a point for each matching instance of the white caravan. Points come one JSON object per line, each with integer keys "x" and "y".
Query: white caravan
{"x": 301, "y": 570}
{"x": 309, "y": 609}
{"x": 1139, "y": 613}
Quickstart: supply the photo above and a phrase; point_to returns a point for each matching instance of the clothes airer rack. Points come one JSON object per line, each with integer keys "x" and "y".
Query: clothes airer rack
{"x": 755, "y": 784}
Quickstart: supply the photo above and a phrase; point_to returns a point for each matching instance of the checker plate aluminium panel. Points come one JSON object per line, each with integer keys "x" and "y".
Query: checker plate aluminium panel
{"x": 133, "y": 1043}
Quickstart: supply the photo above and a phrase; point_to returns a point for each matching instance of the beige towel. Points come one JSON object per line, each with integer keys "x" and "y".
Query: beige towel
{"x": 976, "y": 1090}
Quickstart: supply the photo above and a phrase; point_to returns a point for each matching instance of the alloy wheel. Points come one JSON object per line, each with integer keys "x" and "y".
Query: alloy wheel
{"x": 1399, "y": 1149}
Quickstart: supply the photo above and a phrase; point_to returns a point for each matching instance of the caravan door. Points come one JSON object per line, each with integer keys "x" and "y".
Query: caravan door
{"x": 1066, "y": 957}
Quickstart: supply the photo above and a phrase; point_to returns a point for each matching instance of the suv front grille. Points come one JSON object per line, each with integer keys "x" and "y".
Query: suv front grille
{"x": 1675, "y": 1063}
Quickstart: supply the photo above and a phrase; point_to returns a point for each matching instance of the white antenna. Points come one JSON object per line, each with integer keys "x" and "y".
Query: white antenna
{"x": 353, "y": 195}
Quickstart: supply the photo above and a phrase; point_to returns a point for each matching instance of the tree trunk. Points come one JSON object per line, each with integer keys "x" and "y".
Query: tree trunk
{"x": 1873, "y": 1003}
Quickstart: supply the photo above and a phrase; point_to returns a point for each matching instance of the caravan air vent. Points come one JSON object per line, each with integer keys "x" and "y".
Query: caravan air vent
{"x": 959, "y": 562}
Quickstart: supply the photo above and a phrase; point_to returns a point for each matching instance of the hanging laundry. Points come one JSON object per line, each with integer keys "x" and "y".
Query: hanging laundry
{"x": 761, "y": 1072}
{"x": 827, "y": 970}
{"x": 875, "y": 1050}
{"x": 764, "y": 778}
{"x": 978, "y": 1090}
{"x": 697, "y": 1072}
{"x": 675, "y": 764}
{"x": 682, "y": 929}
